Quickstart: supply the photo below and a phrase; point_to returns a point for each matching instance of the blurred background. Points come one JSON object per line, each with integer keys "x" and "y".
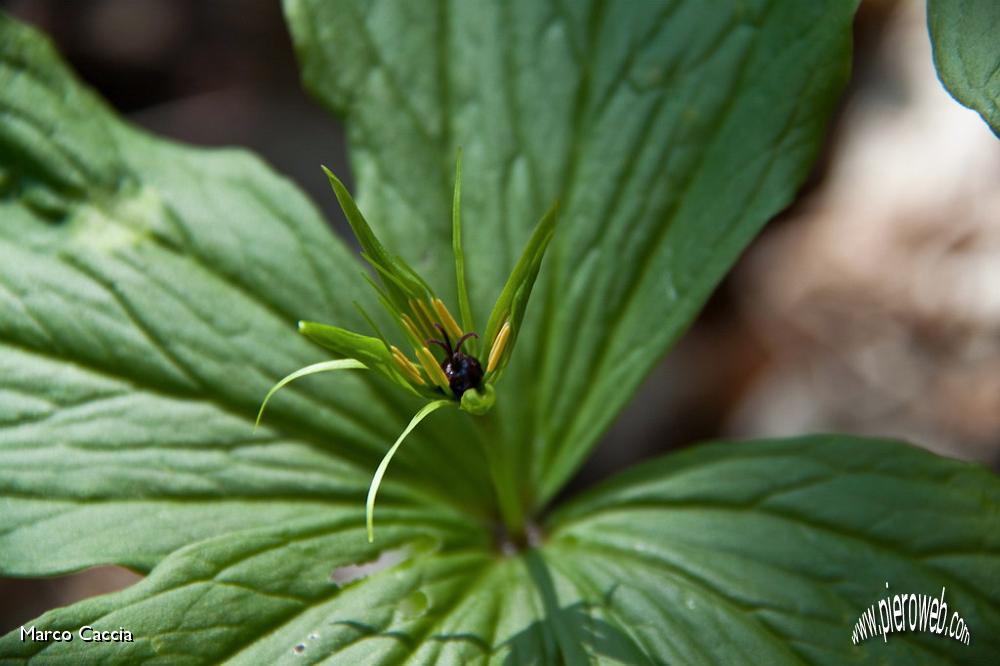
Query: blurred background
{"x": 871, "y": 306}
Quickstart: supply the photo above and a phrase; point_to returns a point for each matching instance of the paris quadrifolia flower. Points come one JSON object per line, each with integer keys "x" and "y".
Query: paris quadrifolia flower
{"x": 450, "y": 364}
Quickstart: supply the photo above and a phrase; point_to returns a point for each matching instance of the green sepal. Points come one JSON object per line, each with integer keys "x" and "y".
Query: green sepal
{"x": 479, "y": 402}
{"x": 513, "y": 300}
{"x": 370, "y": 351}
{"x": 401, "y": 282}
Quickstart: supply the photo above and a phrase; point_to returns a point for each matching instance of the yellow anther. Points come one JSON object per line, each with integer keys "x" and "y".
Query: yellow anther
{"x": 406, "y": 365}
{"x": 425, "y": 315}
{"x": 411, "y": 328}
{"x": 499, "y": 344}
{"x": 447, "y": 320}
{"x": 431, "y": 368}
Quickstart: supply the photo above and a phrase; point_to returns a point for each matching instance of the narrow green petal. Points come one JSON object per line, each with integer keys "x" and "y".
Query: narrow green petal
{"x": 325, "y": 366}
{"x": 424, "y": 412}
{"x": 464, "y": 307}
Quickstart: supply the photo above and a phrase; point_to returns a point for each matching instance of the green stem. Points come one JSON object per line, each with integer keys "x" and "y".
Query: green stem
{"x": 502, "y": 473}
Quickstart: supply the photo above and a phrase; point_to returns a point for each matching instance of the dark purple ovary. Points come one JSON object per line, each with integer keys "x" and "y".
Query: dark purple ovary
{"x": 463, "y": 372}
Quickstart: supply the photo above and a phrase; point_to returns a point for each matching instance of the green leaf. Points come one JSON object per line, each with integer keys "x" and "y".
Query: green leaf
{"x": 149, "y": 295}
{"x": 684, "y": 133}
{"x": 781, "y": 545}
{"x": 967, "y": 53}
{"x": 757, "y": 552}
{"x": 669, "y": 133}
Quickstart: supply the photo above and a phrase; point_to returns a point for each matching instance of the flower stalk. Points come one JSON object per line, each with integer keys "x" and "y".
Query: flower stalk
{"x": 502, "y": 474}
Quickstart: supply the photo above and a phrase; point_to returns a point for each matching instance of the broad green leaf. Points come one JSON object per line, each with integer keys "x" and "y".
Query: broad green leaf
{"x": 669, "y": 132}
{"x": 150, "y": 294}
{"x": 967, "y": 53}
{"x": 757, "y": 552}
{"x": 775, "y": 548}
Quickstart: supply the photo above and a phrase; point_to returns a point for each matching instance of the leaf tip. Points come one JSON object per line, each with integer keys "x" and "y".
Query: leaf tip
{"x": 335, "y": 183}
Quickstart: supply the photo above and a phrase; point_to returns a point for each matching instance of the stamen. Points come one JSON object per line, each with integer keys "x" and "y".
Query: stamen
{"x": 499, "y": 344}
{"x": 406, "y": 365}
{"x": 411, "y": 328}
{"x": 449, "y": 322}
{"x": 425, "y": 310}
{"x": 431, "y": 368}
{"x": 422, "y": 315}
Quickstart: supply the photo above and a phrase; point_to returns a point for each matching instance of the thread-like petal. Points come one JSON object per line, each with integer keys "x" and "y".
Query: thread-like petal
{"x": 325, "y": 366}
{"x": 424, "y": 412}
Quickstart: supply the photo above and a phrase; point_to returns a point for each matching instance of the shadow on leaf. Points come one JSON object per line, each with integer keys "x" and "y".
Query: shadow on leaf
{"x": 573, "y": 634}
